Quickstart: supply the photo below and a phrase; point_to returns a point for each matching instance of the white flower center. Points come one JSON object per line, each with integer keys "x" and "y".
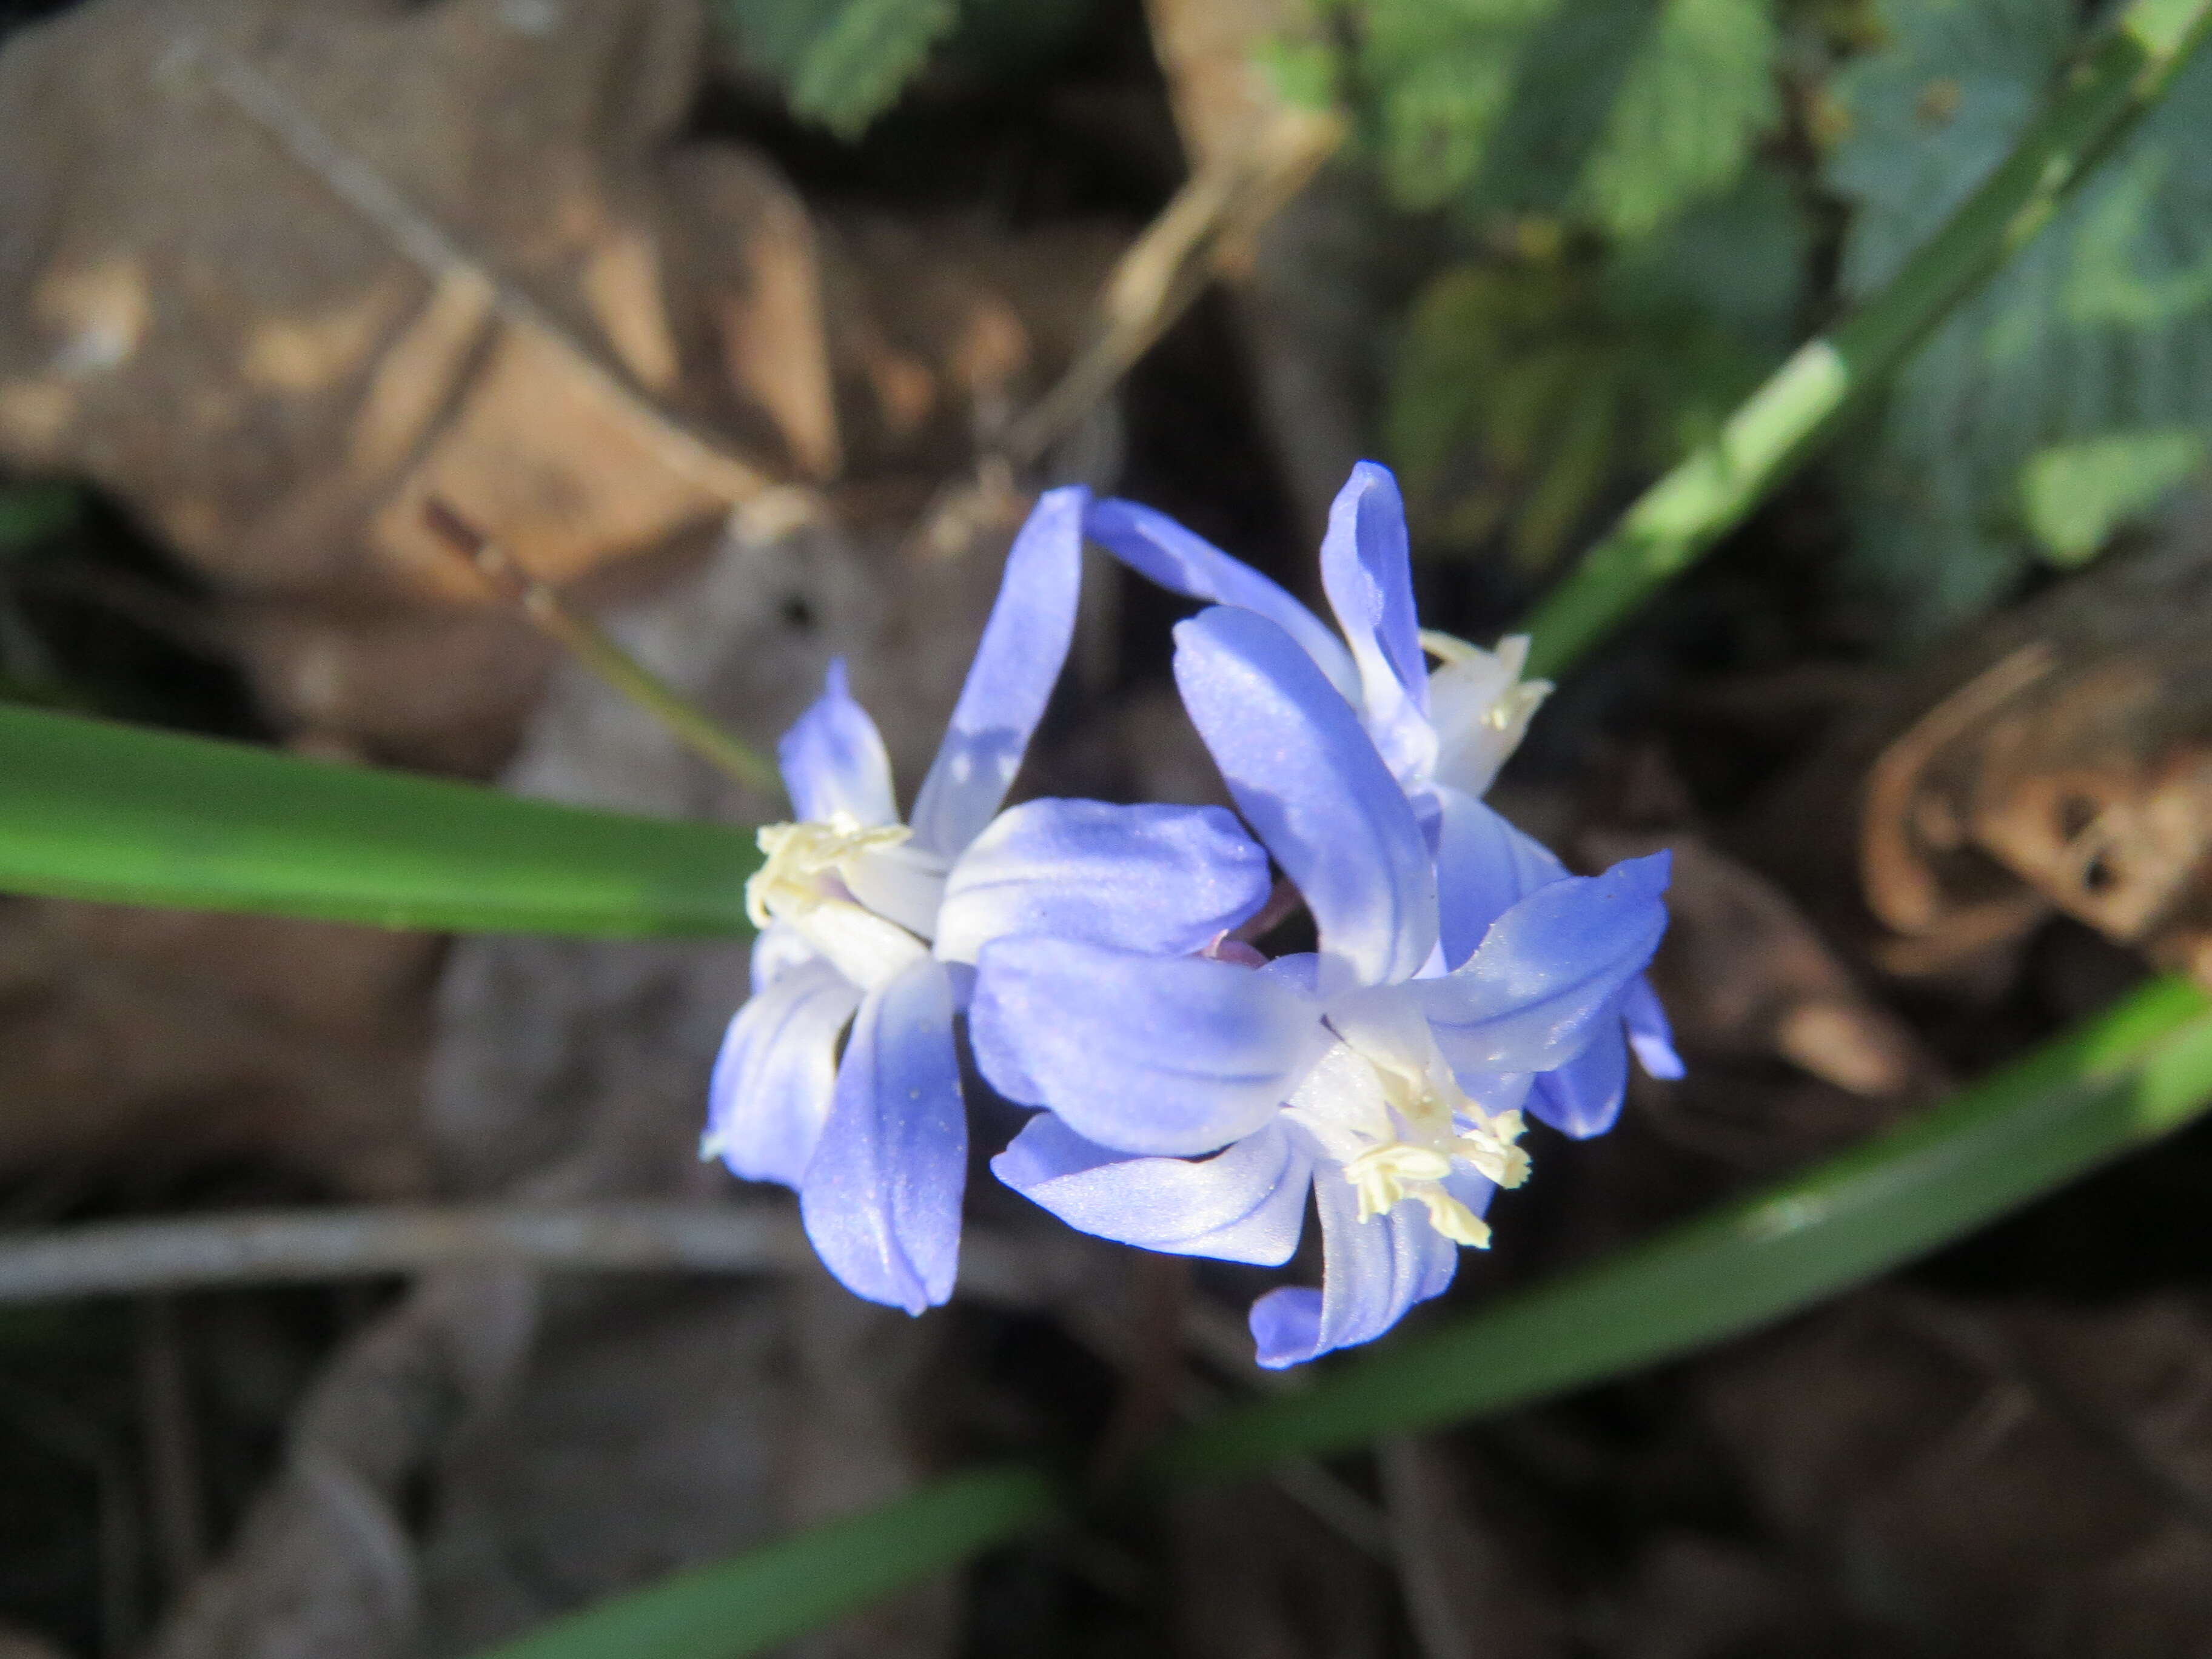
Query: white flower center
{"x": 801, "y": 858}
{"x": 1398, "y": 1124}
{"x": 807, "y": 881}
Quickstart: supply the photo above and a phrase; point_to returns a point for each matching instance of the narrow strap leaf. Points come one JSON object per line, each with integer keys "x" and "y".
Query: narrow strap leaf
{"x": 92, "y": 810}
{"x": 1680, "y": 517}
{"x": 797, "y": 1584}
{"x": 2128, "y": 1077}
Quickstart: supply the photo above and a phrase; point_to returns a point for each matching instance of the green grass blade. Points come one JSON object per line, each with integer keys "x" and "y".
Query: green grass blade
{"x": 1675, "y": 522}
{"x": 798, "y": 1583}
{"x": 96, "y": 811}
{"x": 2130, "y": 1076}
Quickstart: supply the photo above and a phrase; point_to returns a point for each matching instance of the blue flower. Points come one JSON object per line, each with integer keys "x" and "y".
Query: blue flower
{"x": 870, "y": 928}
{"x": 1443, "y": 734}
{"x": 1364, "y": 1072}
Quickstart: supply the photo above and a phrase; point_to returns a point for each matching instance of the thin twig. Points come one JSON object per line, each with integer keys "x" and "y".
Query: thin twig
{"x": 1408, "y": 1497}
{"x": 1984, "y": 1343}
{"x": 63, "y": 1431}
{"x": 594, "y": 647}
{"x": 1206, "y": 230}
{"x": 174, "y": 1495}
{"x": 276, "y": 1246}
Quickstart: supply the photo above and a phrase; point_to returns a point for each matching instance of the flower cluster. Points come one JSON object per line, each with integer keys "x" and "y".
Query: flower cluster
{"x": 1190, "y": 1090}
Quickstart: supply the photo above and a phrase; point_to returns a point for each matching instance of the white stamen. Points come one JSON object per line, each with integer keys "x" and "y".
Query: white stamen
{"x": 1480, "y": 705}
{"x": 1398, "y": 1122}
{"x": 799, "y": 855}
{"x": 803, "y": 882}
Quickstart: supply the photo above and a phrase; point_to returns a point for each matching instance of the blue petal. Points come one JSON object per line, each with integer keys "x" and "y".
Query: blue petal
{"x": 1549, "y": 971}
{"x": 881, "y": 1196}
{"x": 1170, "y": 1056}
{"x": 1484, "y": 867}
{"x": 1308, "y": 779}
{"x": 772, "y": 1081}
{"x": 1367, "y": 573}
{"x": 1017, "y": 663}
{"x": 1583, "y": 1097}
{"x": 1163, "y": 880}
{"x": 1245, "y": 1203}
{"x": 833, "y": 759}
{"x": 1158, "y": 548}
{"x": 1371, "y": 1271}
{"x": 1649, "y": 1032}
{"x": 778, "y": 948}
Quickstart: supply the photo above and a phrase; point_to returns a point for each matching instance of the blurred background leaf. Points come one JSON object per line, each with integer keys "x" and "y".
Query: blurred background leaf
{"x": 1620, "y": 271}
{"x": 842, "y": 62}
{"x": 1525, "y": 385}
{"x": 1618, "y": 112}
{"x": 2071, "y": 394}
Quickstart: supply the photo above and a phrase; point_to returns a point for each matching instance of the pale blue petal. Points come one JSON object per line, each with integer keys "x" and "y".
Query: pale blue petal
{"x": 1017, "y": 664}
{"x": 881, "y": 1196}
{"x": 1158, "y": 548}
{"x": 1245, "y": 1203}
{"x": 1367, "y": 572}
{"x": 1484, "y": 867}
{"x": 1170, "y": 1056}
{"x": 1583, "y": 1097}
{"x": 1300, "y": 970}
{"x": 833, "y": 759}
{"x": 1308, "y": 779}
{"x": 1163, "y": 880}
{"x": 777, "y": 949}
{"x": 1372, "y": 1272}
{"x": 772, "y": 1081}
{"x": 1549, "y": 970}
{"x": 1650, "y": 1031}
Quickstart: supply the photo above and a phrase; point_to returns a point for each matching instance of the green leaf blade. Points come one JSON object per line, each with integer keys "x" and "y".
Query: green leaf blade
{"x": 799, "y": 1583}
{"x": 2135, "y": 1073}
{"x": 97, "y": 810}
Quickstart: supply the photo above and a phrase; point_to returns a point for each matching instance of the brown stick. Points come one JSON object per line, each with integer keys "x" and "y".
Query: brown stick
{"x": 303, "y": 1246}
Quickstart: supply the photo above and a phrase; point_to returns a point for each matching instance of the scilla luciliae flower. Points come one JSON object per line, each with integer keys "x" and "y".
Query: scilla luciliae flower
{"x": 1194, "y": 1102}
{"x": 869, "y": 926}
{"x": 1443, "y": 734}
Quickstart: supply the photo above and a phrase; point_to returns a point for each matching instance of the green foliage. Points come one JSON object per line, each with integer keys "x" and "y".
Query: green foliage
{"x": 30, "y": 513}
{"x": 96, "y": 811}
{"x": 1630, "y": 264}
{"x": 2080, "y": 368}
{"x": 798, "y": 1583}
{"x": 2074, "y": 495}
{"x": 1523, "y": 388}
{"x": 842, "y": 62}
{"x": 1616, "y": 112}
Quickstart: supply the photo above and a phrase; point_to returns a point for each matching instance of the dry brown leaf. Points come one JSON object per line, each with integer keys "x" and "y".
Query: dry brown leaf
{"x": 145, "y": 1045}
{"x": 2060, "y": 760}
{"x": 1988, "y": 1481}
{"x": 1743, "y": 972}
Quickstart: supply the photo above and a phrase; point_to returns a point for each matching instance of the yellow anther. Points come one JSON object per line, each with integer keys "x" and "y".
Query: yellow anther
{"x": 1454, "y": 1219}
{"x": 798, "y": 856}
{"x": 1382, "y": 1175}
{"x": 1489, "y": 1146}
